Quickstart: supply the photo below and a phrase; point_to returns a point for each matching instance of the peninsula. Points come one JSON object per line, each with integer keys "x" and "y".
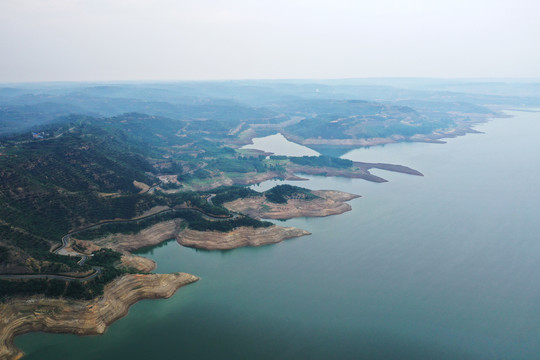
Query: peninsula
{"x": 83, "y": 186}
{"x": 325, "y": 203}
{"x": 89, "y": 317}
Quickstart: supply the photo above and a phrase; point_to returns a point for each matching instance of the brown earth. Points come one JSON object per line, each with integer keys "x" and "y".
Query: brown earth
{"x": 330, "y": 202}
{"x": 212, "y": 240}
{"x": 153, "y": 235}
{"x": 242, "y": 236}
{"x": 140, "y": 185}
{"x": 138, "y": 263}
{"x": 90, "y": 317}
{"x": 152, "y": 211}
{"x": 20, "y": 316}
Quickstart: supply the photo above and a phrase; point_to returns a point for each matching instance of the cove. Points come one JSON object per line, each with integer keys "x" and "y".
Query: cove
{"x": 443, "y": 266}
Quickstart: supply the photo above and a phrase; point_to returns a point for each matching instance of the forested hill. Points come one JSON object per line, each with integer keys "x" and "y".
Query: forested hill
{"x": 60, "y": 171}
{"x": 57, "y": 179}
{"x": 237, "y": 110}
{"x": 75, "y": 172}
{"x": 82, "y": 170}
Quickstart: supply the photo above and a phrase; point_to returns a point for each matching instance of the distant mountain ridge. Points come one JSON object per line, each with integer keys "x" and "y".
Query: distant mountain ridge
{"x": 234, "y": 102}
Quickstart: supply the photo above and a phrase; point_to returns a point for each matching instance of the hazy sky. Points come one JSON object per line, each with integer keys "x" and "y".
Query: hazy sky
{"x": 42, "y": 40}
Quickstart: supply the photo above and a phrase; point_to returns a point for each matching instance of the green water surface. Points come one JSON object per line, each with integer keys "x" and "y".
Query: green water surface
{"x": 445, "y": 266}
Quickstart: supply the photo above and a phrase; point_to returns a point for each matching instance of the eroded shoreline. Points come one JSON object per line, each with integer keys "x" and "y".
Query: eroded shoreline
{"x": 239, "y": 237}
{"x": 329, "y": 202}
{"x": 91, "y": 317}
{"x": 21, "y": 316}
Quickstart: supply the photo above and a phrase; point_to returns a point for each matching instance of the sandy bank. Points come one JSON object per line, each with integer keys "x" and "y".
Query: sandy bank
{"x": 242, "y": 236}
{"x": 330, "y": 202}
{"x": 82, "y": 317}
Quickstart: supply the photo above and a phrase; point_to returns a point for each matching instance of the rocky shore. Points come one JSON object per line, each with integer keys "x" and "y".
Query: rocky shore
{"x": 211, "y": 240}
{"x": 20, "y": 316}
{"x": 153, "y": 235}
{"x": 90, "y": 317}
{"x": 329, "y": 202}
{"x": 242, "y": 236}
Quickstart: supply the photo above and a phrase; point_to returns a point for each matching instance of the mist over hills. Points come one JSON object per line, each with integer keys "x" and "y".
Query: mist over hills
{"x": 232, "y": 102}
{"x": 74, "y": 154}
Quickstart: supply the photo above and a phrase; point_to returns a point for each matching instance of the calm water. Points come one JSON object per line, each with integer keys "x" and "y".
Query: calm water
{"x": 278, "y": 145}
{"x": 444, "y": 266}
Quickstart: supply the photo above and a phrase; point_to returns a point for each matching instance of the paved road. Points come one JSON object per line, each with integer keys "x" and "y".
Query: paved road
{"x": 97, "y": 270}
{"x": 209, "y": 216}
{"x": 152, "y": 188}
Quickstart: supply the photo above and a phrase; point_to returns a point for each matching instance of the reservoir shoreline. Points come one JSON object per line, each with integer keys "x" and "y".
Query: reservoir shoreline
{"x": 90, "y": 317}
{"x": 391, "y": 275}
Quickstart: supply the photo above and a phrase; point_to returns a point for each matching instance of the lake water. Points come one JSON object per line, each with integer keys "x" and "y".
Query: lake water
{"x": 444, "y": 266}
{"x": 278, "y": 145}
